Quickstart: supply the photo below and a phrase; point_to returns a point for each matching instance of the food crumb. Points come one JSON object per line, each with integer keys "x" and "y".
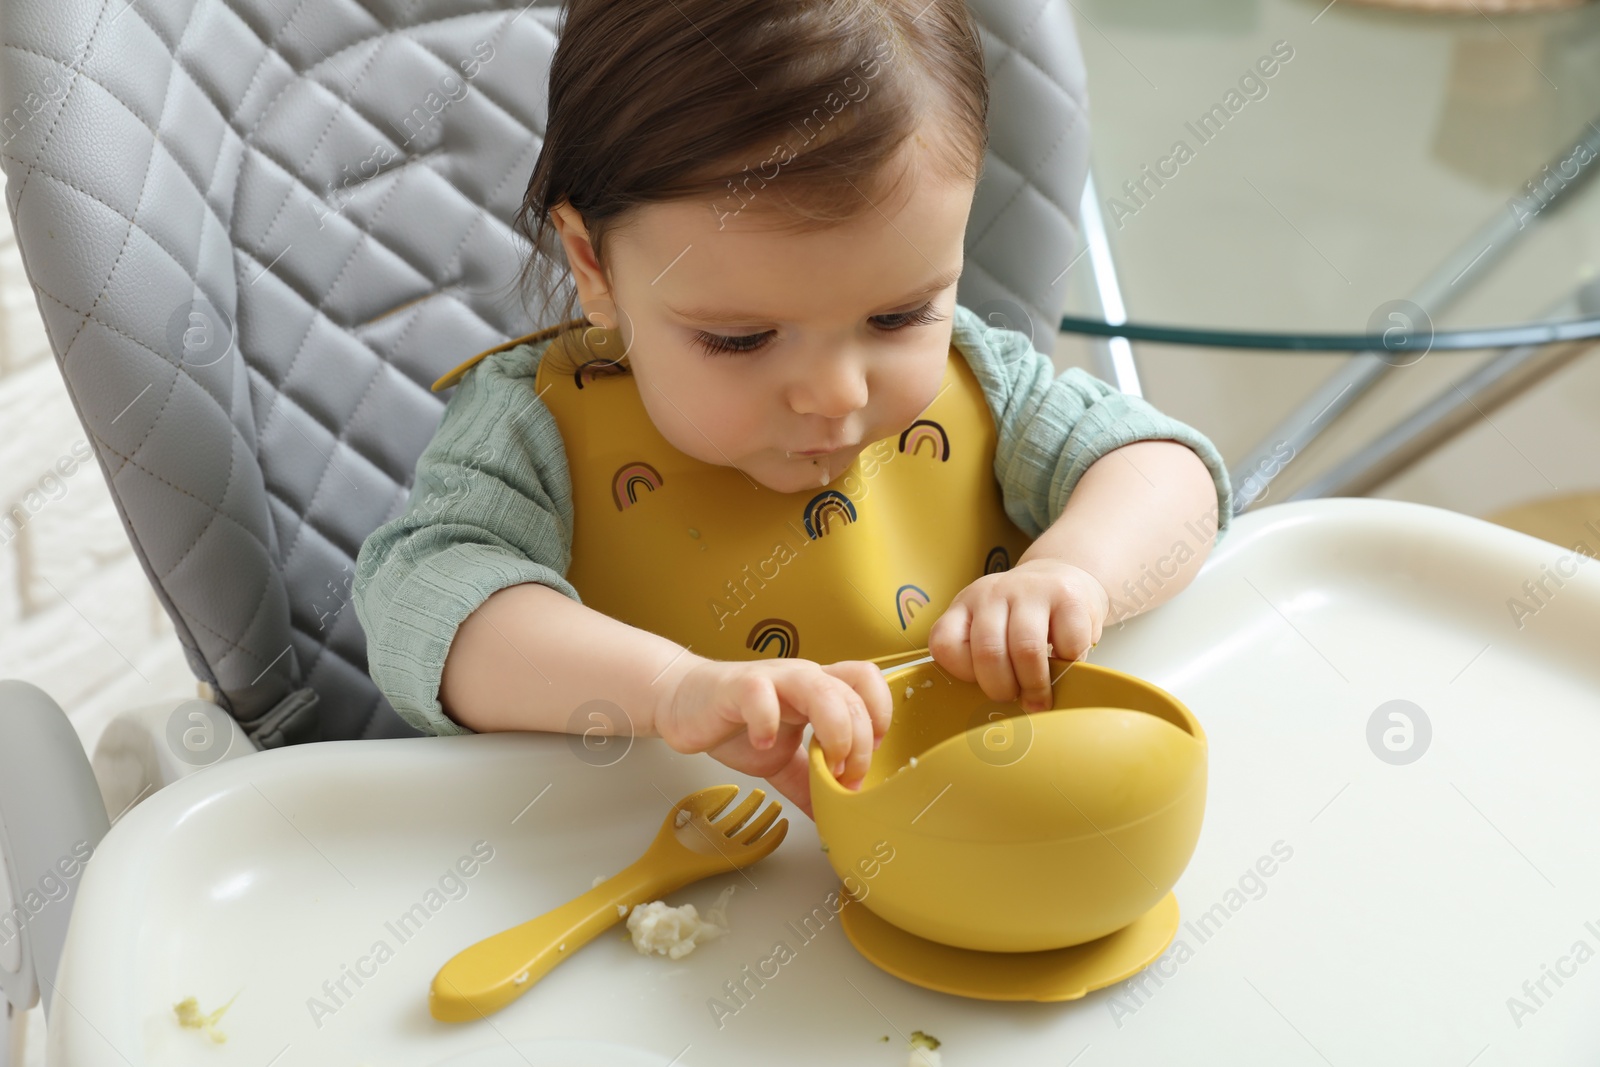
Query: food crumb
{"x": 563, "y": 947}
{"x": 824, "y": 846}
{"x": 682, "y": 818}
{"x": 910, "y": 692}
{"x": 663, "y": 930}
{"x": 520, "y": 979}
{"x": 190, "y": 1017}
{"x": 923, "y": 1050}
{"x": 622, "y": 911}
{"x": 928, "y": 684}
{"x": 913, "y": 761}
{"x": 597, "y": 880}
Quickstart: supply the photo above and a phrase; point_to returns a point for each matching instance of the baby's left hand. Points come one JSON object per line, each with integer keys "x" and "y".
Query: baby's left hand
{"x": 1000, "y": 630}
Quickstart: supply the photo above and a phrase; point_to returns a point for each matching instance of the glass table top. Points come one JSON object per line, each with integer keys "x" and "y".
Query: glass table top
{"x": 1302, "y": 169}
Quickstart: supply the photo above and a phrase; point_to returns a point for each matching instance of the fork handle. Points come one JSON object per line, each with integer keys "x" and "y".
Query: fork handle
{"x": 487, "y": 976}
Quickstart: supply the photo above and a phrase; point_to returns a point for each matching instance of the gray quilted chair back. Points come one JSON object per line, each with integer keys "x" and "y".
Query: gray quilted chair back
{"x": 257, "y": 230}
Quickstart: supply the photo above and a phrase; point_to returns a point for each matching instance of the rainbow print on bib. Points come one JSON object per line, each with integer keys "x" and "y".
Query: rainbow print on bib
{"x": 633, "y": 479}
{"x": 907, "y": 599}
{"x": 827, "y": 508}
{"x": 926, "y": 430}
{"x": 777, "y": 635}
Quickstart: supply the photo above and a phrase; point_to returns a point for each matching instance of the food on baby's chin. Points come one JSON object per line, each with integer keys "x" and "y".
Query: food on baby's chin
{"x": 190, "y": 1017}
{"x": 662, "y": 930}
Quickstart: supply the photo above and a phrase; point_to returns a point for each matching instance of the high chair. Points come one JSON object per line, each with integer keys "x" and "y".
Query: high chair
{"x": 249, "y": 340}
{"x": 257, "y": 232}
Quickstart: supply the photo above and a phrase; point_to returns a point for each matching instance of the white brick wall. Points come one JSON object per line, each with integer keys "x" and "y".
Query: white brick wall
{"x": 77, "y": 616}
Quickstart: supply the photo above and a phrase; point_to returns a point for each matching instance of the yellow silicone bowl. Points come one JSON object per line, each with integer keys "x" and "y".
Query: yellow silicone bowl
{"x": 1018, "y": 831}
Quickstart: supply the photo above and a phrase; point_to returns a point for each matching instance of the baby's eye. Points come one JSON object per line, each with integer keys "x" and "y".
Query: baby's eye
{"x": 722, "y": 344}
{"x": 719, "y": 344}
{"x": 917, "y": 317}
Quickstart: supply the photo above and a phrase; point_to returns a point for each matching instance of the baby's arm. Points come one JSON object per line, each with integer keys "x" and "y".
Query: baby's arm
{"x": 530, "y": 658}
{"x": 1140, "y": 520}
{"x": 1123, "y": 503}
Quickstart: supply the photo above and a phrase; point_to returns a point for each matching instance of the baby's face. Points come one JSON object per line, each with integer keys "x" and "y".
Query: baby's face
{"x": 753, "y": 346}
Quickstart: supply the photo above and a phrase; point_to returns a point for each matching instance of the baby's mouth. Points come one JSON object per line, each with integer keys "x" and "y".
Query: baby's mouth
{"x": 822, "y": 462}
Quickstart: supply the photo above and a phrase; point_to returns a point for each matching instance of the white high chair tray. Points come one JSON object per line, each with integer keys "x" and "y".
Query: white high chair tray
{"x": 1340, "y": 908}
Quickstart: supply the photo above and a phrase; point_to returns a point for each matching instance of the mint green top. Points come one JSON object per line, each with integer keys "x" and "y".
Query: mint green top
{"x": 491, "y": 505}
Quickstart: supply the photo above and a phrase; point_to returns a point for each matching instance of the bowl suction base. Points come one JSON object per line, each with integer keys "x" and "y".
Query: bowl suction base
{"x": 1054, "y": 974}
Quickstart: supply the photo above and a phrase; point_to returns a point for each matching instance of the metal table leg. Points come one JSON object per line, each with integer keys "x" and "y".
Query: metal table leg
{"x": 1491, "y": 386}
{"x": 1470, "y": 261}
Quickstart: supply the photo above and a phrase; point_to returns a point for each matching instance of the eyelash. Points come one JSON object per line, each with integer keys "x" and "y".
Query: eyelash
{"x": 717, "y": 344}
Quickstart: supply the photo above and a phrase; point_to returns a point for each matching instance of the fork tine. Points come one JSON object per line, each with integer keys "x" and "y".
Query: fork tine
{"x": 708, "y": 802}
{"x": 770, "y": 840}
{"x": 728, "y": 824}
{"x": 759, "y": 824}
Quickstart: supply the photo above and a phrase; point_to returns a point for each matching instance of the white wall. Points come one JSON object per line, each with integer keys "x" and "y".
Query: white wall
{"x": 77, "y": 615}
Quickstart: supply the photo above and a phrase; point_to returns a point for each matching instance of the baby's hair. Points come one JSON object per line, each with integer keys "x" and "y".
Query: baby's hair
{"x": 790, "y": 107}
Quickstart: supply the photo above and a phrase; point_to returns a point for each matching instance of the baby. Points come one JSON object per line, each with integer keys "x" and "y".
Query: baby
{"x": 775, "y": 449}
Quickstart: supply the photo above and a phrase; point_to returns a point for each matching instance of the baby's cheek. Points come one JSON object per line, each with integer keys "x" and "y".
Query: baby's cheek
{"x": 692, "y": 425}
{"x": 911, "y": 391}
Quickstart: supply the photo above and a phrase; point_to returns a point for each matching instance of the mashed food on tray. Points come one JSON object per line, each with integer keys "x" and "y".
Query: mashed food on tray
{"x": 661, "y": 930}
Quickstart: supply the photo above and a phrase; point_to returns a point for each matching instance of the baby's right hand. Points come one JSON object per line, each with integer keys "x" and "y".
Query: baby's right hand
{"x": 750, "y": 715}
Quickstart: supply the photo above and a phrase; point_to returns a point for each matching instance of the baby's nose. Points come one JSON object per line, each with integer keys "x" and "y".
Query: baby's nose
{"x": 833, "y": 390}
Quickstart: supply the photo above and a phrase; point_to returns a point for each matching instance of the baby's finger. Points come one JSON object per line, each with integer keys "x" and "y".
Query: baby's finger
{"x": 867, "y": 680}
{"x": 759, "y": 708}
{"x": 860, "y": 758}
{"x": 990, "y": 661}
{"x": 1027, "y": 636}
{"x": 1070, "y": 626}
{"x": 818, "y": 697}
{"x": 948, "y": 641}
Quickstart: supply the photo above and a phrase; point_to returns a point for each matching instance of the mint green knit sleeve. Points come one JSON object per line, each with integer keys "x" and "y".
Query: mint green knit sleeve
{"x": 1052, "y": 427}
{"x": 491, "y": 507}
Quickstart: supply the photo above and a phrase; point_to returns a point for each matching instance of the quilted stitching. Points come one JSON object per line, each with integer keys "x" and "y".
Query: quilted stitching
{"x": 250, "y": 114}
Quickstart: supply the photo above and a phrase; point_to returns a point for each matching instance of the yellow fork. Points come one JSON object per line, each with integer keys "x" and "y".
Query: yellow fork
{"x": 489, "y": 975}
